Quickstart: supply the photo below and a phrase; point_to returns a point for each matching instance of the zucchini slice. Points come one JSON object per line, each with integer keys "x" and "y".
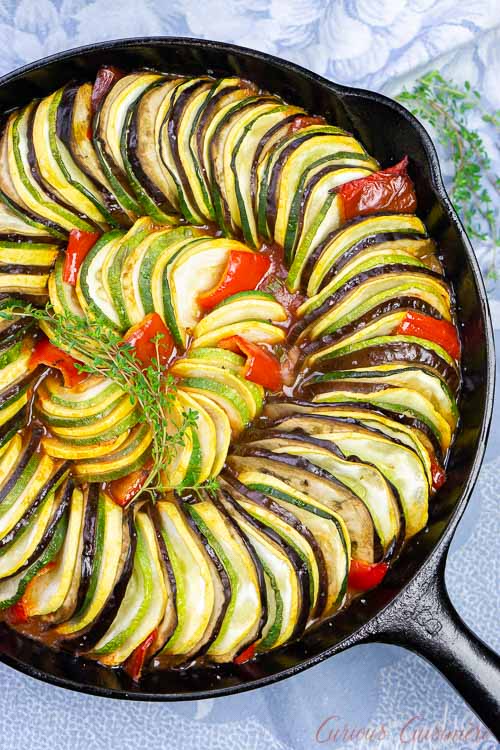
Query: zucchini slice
{"x": 405, "y": 433}
{"x": 57, "y": 167}
{"x": 130, "y": 454}
{"x": 136, "y": 275}
{"x": 303, "y": 475}
{"x": 206, "y": 437}
{"x": 280, "y": 173}
{"x": 435, "y": 389}
{"x": 358, "y": 299}
{"x": 364, "y": 480}
{"x": 63, "y": 297}
{"x": 144, "y": 603}
{"x": 252, "y": 305}
{"x": 14, "y": 587}
{"x": 326, "y": 526}
{"x": 405, "y": 351}
{"x": 91, "y": 290}
{"x": 400, "y": 400}
{"x": 366, "y": 230}
{"x": 174, "y": 137}
{"x": 240, "y": 401}
{"x": 253, "y": 131}
{"x": 222, "y": 429}
{"x": 75, "y": 129}
{"x": 16, "y": 225}
{"x": 202, "y": 594}
{"x": 245, "y": 615}
{"x": 109, "y": 129}
{"x": 48, "y": 592}
{"x": 26, "y": 491}
{"x": 143, "y": 144}
{"x": 399, "y": 464}
{"x": 26, "y": 178}
{"x": 195, "y": 270}
{"x": 287, "y": 591}
{"x": 30, "y": 537}
{"x": 113, "y": 263}
{"x": 290, "y": 528}
{"x": 105, "y": 559}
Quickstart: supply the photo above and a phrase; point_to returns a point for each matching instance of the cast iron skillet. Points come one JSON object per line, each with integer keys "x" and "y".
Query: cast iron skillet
{"x": 412, "y": 608}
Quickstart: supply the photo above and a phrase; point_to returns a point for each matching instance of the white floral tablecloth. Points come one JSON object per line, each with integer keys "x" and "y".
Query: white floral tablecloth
{"x": 373, "y": 696}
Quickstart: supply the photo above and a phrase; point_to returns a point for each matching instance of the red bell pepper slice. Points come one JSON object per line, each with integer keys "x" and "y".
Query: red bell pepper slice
{"x": 79, "y": 245}
{"x": 151, "y": 339}
{"x": 441, "y": 332}
{"x": 125, "y": 489}
{"x": 438, "y": 474}
{"x": 135, "y": 662}
{"x": 364, "y": 575}
{"x": 260, "y": 367}
{"x": 388, "y": 190}
{"x": 305, "y": 121}
{"x": 245, "y": 655}
{"x": 106, "y": 78}
{"x": 46, "y": 353}
{"x": 244, "y": 271}
{"x": 17, "y": 614}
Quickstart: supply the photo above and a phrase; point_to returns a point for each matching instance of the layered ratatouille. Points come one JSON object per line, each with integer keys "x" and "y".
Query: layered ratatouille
{"x": 305, "y": 325}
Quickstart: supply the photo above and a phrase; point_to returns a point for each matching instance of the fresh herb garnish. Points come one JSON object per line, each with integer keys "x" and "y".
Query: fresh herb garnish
{"x": 103, "y": 352}
{"x": 475, "y": 189}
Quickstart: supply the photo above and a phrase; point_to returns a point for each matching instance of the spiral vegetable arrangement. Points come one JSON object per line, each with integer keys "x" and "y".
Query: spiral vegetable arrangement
{"x": 229, "y": 369}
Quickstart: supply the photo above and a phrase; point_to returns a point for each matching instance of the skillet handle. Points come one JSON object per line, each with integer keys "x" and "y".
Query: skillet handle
{"x": 425, "y": 621}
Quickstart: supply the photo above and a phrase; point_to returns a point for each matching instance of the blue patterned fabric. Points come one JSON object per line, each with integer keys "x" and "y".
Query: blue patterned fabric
{"x": 378, "y": 697}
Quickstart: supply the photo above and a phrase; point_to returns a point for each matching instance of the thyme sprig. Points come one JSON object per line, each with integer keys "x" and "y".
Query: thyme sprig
{"x": 103, "y": 352}
{"x": 475, "y": 189}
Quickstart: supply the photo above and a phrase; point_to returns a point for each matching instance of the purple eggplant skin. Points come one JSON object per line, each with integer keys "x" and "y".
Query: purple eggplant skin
{"x": 46, "y": 187}
{"x": 241, "y": 107}
{"x": 288, "y": 517}
{"x": 13, "y": 269}
{"x": 274, "y": 179}
{"x": 396, "y": 269}
{"x": 13, "y": 425}
{"x": 396, "y": 304}
{"x": 32, "y": 446}
{"x": 357, "y": 247}
{"x": 170, "y": 576}
{"x": 328, "y": 418}
{"x": 400, "y": 350}
{"x": 37, "y": 502}
{"x": 89, "y": 545}
{"x": 101, "y": 624}
{"x": 306, "y": 192}
{"x": 316, "y": 389}
{"x": 64, "y": 124}
{"x": 221, "y": 572}
{"x": 257, "y": 564}
{"x": 149, "y": 187}
{"x": 364, "y": 519}
{"x": 64, "y": 114}
{"x": 16, "y": 388}
{"x": 209, "y": 109}
{"x": 298, "y": 462}
{"x": 297, "y": 564}
{"x": 172, "y": 122}
{"x": 17, "y": 329}
{"x": 303, "y": 437}
{"x": 61, "y": 509}
{"x": 333, "y": 270}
